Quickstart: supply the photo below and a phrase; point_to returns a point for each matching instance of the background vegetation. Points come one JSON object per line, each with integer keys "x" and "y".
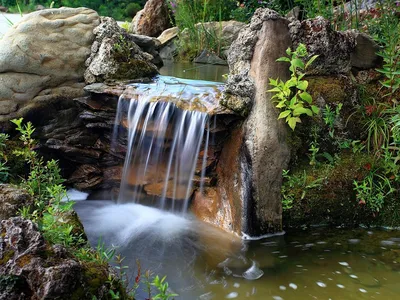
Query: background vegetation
{"x": 120, "y": 10}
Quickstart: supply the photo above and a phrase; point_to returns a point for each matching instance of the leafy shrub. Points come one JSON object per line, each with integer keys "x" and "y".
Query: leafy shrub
{"x": 131, "y": 9}
{"x": 291, "y": 95}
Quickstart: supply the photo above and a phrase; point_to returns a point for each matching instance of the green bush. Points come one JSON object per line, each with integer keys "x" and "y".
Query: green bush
{"x": 132, "y": 9}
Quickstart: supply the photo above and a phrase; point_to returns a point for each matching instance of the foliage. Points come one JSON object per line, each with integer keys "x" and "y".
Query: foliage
{"x": 330, "y": 117}
{"x": 191, "y": 18}
{"x": 291, "y": 95}
{"x": 295, "y": 187}
{"x": 118, "y": 9}
{"x": 4, "y": 170}
{"x": 245, "y": 9}
{"x": 55, "y": 217}
{"x": 162, "y": 288}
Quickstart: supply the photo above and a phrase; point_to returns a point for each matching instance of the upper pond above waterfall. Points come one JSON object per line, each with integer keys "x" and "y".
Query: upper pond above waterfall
{"x": 186, "y": 94}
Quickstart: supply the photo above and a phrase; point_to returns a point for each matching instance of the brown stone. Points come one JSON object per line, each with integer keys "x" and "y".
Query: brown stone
{"x": 86, "y": 177}
{"x": 211, "y": 208}
{"x": 251, "y": 168}
{"x": 178, "y": 192}
{"x": 152, "y": 20}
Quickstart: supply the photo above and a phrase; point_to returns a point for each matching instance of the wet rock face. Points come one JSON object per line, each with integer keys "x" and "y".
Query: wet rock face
{"x": 42, "y": 59}
{"x": 332, "y": 47}
{"x": 262, "y": 151}
{"x": 152, "y": 20}
{"x": 31, "y": 269}
{"x": 11, "y": 200}
{"x": 115, "y": 55}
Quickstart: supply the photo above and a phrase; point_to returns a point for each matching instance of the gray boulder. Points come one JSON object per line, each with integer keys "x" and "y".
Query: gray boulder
{"x": 115, "y": 55}
{"x": 333, "y": 48}
{"x": 12, "y": 199}
{"x": 42, "y": 59}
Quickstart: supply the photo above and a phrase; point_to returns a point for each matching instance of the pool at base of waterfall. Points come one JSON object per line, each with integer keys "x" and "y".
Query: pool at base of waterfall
{"x": 202, "y": 262}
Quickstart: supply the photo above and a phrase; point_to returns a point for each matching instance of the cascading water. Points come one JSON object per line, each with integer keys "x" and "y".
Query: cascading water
{"x": 165, "y": 126}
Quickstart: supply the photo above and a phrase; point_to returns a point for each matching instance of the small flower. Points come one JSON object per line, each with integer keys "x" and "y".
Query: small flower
{"x": 369, "y": 109}
{"x": 367, "y": 166}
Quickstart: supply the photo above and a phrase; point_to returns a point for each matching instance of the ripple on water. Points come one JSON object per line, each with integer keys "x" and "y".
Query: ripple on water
{"x": 253, "y": 273}
{"x": 232, "y": 295}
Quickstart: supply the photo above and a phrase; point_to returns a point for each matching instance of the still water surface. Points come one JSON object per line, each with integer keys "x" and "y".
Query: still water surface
{"x": 204, "y": 263}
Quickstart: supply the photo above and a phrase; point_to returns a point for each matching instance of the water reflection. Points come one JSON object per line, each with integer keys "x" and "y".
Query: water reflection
{"x": 189, "y": 70}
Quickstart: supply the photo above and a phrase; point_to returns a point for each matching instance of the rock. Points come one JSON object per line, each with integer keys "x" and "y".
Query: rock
{"x": 39, "y": 271}
{"x": 12, "y": 199}
{"x": 149, "y": 45}
{"x": 39, "y": 7}
{"x": 208, "y": 207}
{"x": 42, "y": 59}
{"x": 169, "y": 51}
{"x": 168, "y": 48}
{"x": 332, "y": 47}
{"x": 152, "y": 20}
{"x": 116, "y": 56}
{"x": 86, "y": 177}
{"x": 168, "y": 35}
{"x": 261, "y": 152}
{"x": 294, "y": 13}
{"x": 364, "y": 56}
{"x": 207, "y": 57}
{"x": 3, "y": 9}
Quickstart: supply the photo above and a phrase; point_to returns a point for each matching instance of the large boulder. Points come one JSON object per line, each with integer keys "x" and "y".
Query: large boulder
{"x": 333, "y": 48}
{"x": 152, "y": 20}
{"x": 115, "y": 55}
{"x": 251, "y": 163}
{"x": 42, "y": 59}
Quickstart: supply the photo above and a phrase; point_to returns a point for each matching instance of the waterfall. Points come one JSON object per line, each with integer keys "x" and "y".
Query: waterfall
{"x": 165, "y": 126}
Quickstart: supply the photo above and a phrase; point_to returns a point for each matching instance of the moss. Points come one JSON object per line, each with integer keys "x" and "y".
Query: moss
{"x": 24, "y": 260}
{"x": 6, "y": 257}
{"x": 333, "y": 89}
{"x": 334, "y": 202}
{"x": 134, "y": 68}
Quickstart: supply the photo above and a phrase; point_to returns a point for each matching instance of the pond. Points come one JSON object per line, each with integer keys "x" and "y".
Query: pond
{"x": 202, "y": 262}
{"x": 189, "y": 70}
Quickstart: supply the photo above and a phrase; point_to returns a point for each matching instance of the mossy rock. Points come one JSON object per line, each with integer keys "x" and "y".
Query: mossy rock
{"x": 334, "y": 201}
{"x": 134, "y": 68}
{"x": 333, "y": 89}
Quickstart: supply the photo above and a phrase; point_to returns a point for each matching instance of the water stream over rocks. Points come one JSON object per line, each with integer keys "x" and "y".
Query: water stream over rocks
{"x": 165, "y": 134}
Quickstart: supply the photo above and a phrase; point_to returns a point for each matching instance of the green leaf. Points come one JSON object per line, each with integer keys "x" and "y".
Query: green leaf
{"x": 284, "y": 114}
{"x": 298, "y": 63}
{"x": 293, "y": 101}
{"x": 302, "y": 110}
{"x": 315, "y": 109}
{"x": 311, "y": 60}
{"x": 302, "y": 85}
{"x": 306, "y": 97}
{"x": 285, "y": 59}
{"x": 292, "y": 122}
{"x": 275, "y": 89}
{"x": 273, "y": 81}
{"x": 288, "y": 51}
